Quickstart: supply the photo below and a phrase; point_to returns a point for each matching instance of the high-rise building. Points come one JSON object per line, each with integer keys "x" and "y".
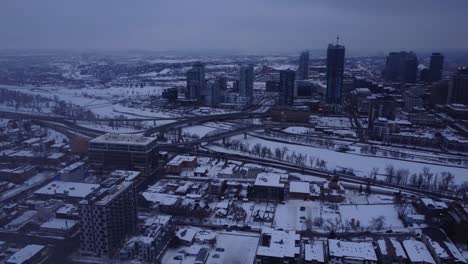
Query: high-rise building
{"x": 335, "y": 70}
{"x": 439, "y": 93}
{"x": 402, "y": 67}
{"x": 381, "y": 106}
{"x": 213, "y": 93}
{"x": 458, "y": 92}
{"x": 195, "y": 81}
{"x": 392, "y": 66}
{"x": 286, "y": 92}
{"x": 108, "y": 216}
{"x": 410, "y": 68}
{"x": 303, "y": 70}
{"x": 435, "y": 67}
{"x": 246, "y": 81}
{"x": 124, "y": 151}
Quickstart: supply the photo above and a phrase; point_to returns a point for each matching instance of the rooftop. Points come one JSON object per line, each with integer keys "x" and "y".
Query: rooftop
{"x": 179, "y": 159}
{"x": 25, "y": 254}
{"x": 391, "y": 247}
{"x": 70, "y": 189}
{"x": 314, "y": 251}
{"x": 59, "y": 223}
{"x": 127, "y": 174}
{"x": 113, "y": 138}
{"x": 282, "y": 244}
{"x": 417, "y": 251}
{"x": 299, "y": 187}
{"x": 359, "y": 250}
{"x": 269, "y": 180}
{"x": 72, "y": 167}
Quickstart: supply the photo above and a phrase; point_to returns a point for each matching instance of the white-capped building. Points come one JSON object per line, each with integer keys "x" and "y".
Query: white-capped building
{"x": 278, "y": 246}
{"x": 347, "y": 252}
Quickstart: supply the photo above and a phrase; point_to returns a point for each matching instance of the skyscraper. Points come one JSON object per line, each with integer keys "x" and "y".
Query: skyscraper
{"x": 335, "y": 70}
{"x": 303, "y": 70}
{"x": 401, "y": 67}
{"x": 195, "y": 81}
{"x": 458, "y": 92}
{"x": 108, "y": 216}
{"x": 286, "y": 93}
{"x": 409, "y": 68}
{"x": 392, "y": 66}
{"x": 213, "y": 93}
{"x": 435, "y": 67}
{"x": 246, "y": 80}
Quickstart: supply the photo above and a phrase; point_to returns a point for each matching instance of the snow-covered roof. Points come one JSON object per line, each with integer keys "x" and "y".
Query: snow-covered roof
{"x": 428, "y": 202}
{"x": 161, "y": 198}
{"x": 59, "y": 223}
{"x": 346, "y": 249}
{"x": 299, "y": 187}
{"x": 72, "y": 167}
{"x": 391, "y": 247}
{"x": 127, "y": 174}
{"x": 186, "y": 234}
{"x": 179, "y": 159}
{"x": 455, "y": 252}
{"x": 114, "y": 138}
{"x": 314, "y": 251}
{"x": 282, "y": 244}
{"x": 25, "y": 254}
{"x": 417, "y": 251}
{"x": 71, "y": 189}
{"x": 269, "y": 180}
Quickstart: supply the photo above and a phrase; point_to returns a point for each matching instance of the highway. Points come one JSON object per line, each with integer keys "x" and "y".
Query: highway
{"x": 184, "y": 121}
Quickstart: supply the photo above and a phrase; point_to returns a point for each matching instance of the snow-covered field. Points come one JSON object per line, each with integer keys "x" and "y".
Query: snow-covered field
{"x": 366, "y": 213}
{"x": 104, "y": 102}
{"x": 362, "y": 165}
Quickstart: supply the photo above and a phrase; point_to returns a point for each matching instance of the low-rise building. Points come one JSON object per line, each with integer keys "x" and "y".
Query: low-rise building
{"x": 28, "y": 255}
{"x": 151, "y": 244}
{"x": 417, "y": 252}
{"x": 74, "y": 172}
{"x": 278, "y": 246}
{"x": 59, "y": 226}
{"x": 442, "y": 249}
{"x": 391, "y": 251}
{"x": 68, "y": 191}
{"x": 314, "y": 252}
{"x": 341, "y": 252}
{"x": 269, "y": 186}
{"x": 180, "y": 163}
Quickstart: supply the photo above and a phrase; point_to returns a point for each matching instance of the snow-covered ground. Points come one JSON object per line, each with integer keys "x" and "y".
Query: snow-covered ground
{"x": 361, "y": 165}
{"x": 366, "y": 213}
{"x": 104, "y": 102}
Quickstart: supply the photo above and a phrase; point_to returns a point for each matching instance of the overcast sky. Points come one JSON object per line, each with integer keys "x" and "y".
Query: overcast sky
{"x": 250, "y": 25}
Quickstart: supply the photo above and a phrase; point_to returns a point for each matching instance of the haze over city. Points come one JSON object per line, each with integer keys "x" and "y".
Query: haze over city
{"x": 265, "y": 25}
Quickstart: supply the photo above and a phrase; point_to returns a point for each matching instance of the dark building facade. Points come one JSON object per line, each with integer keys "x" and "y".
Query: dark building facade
{"x": 458, "y": 92}
{"x": 286, "y": 93}
{"x": 402, "y": 67}
{"x": 195, "y": 81}
{"x": 436, "y": 66}
{"x": 246, "y": 81}
{"x": 335, "y": 70}
{"x": 381, "y": 106}
{"x": 439, "y": 93}
{"x": 303, "y": 70}
{"x": 124, "y": 151}
{"x": 107, "y": 218}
